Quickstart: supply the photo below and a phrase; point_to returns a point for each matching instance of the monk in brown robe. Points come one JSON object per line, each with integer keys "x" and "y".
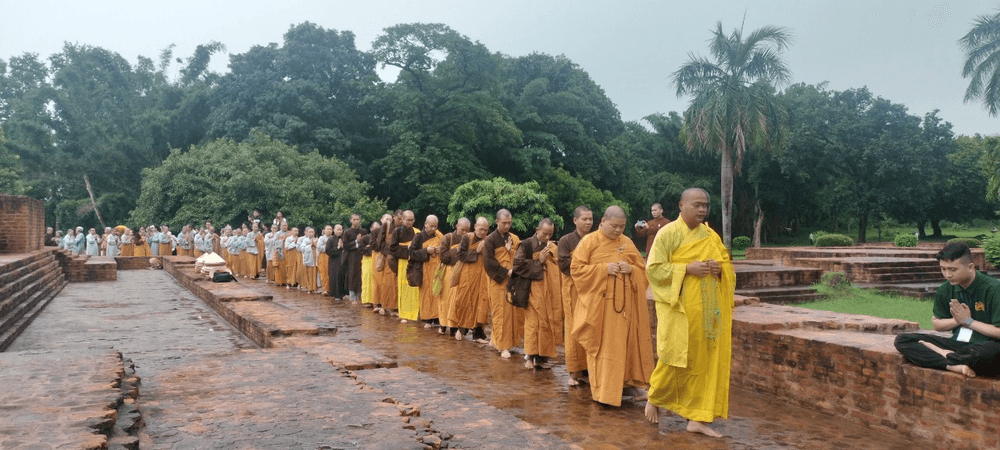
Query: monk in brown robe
{"x": 425, "y": 259}
{"x": 498, "y": 260}
{"x": 536, "y": 261}
{"x": 611, "y": 320}
{"x": 378, "y": 262}
{"x": 576, "y": 358}
{"x": 472, "y": 292}
{"x": 352, "y": 257}
{"x": 385, "y": 280}
{"x": 449, "y": 256}
{"x": 407, "y": 295}
{"x": 647, "y": 229}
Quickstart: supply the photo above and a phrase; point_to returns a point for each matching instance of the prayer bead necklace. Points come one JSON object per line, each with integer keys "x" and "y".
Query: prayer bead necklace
{"x": 710, "y": 314}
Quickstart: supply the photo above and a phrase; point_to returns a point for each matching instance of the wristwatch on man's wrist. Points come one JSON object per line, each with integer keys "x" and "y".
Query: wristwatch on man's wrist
{"x": 968, "y": 322}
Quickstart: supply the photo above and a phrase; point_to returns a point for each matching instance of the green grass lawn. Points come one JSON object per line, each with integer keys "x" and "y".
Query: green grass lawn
{"x": 802, "y": 237}
{"x": 872, "y": 303}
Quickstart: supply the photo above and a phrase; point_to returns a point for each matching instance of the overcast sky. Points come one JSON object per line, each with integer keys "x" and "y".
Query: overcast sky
{"x": 905, "y": 51}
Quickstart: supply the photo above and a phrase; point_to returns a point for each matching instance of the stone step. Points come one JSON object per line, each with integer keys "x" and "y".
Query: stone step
{"x": 775, "y": 276}
{"x": 897, "y": 269}
{"x": 906, "y": 277}
{"x": 15, "y": 292}
{"x": 30, "y": 309}
{"x": 13, "y": 261}
{"x": 790, "y": 294}
{"x": 9, "y": 275}
{"x": 11, "y": 308}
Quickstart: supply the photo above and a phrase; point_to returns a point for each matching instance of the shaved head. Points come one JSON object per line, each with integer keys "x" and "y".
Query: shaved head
{"x": 579, "y": 211}
{"x": 463, "y": 223}
{"x": 431, "y": 224}
{"x": 503, "y": 213}
{"x": 482, "y": 227}
{"x": 695, "y": 190}
{"x": 614, "y": 212}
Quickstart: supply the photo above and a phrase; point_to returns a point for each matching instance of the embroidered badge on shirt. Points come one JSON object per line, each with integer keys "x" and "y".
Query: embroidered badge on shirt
{"x": 980, "y": 306}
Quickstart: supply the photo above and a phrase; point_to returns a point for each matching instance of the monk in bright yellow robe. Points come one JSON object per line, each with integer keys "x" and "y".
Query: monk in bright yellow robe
{"x": 611, "y": 320}
{"x": 536, "y": 261}
{"x": 693, "y": 282}
{"x": 407, "y": 295}
{"x": 367, "y": 265}
{"x": 425, "y": 258}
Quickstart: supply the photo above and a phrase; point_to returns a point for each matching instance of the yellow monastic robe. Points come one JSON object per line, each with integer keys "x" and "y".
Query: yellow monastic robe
{"x": 695, "y": 323}
{"x": 293, "y": 266}
{"x": 429, "y": 303}
{"x": 166, "y": 249}
{"x": 543, "y": 317}
{"x": 367, "y": 279}
{"x": 508, "y": 320}
{"x": 408, "y": 297}
{"x": 128, "y": 250}
{"x": 323, "y": 267}
{"x": 611, "y": 321}
{"x": 142, "y": 249}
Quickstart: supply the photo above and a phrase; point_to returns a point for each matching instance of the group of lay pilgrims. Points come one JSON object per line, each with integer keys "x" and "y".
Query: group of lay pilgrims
{"x": 586, "y": 291}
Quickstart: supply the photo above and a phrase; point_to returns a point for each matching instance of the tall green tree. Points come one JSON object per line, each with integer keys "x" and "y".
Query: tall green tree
{"x": 10, "y": 170}
{"x": 224, "y": 181}
{"x": 446, "y": 121}
{"x": 485, "y": 197}
{"x": 734, "y": 106}
{"x": 982, "y": 62}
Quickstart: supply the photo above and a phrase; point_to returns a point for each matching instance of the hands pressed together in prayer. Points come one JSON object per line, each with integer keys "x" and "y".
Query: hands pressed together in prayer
{"x": 479, "y": 248}
{"x": 619, "y": 267}
{"x": 959, "y": 311}
{"x": 703, "y": 268}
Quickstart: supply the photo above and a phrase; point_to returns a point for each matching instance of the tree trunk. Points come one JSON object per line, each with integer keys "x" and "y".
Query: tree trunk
{"x": 936, "y": 226}
{"x": 920, "y": 229}
{"x": 86, "y": 182}
{"x": 863, "y": 228}
{"x": 757, "y": 224}
{"x": 727, "y": 197}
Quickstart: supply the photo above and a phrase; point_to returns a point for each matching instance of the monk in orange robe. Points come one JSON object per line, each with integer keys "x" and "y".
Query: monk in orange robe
{"x": 472, "y": 292}
{"x": 498, "y": 261}
{"x": 449, "y": 256}
{"x": 611, "y": 320}
{"x": 425, "y": 259}
{"x": 536, "y": 261}
{"x": 379, "y": 263}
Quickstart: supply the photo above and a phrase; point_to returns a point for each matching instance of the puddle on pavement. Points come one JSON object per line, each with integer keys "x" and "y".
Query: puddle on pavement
{"x": 543, "y": 398}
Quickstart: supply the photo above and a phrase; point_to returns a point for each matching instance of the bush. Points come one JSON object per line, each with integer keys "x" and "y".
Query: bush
{"x": 991, "y": 247}
{"x": 835, "y": 280}
{"x": 741, "y": 243}
{"x": 834, "y": 240}
{"x": 905, "y": 240}
{"x": 971, "y": 242}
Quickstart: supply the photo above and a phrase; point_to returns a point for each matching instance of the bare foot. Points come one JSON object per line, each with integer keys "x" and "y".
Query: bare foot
{"x": 573, "y": 382}
{"x": 529, "y": 364}
{"x": 458, "y": 335}
{"x": 936, "y": 349}
{"x": 963, "y": 369}
{"x": 653, "y": 413}
{"x": 695, "y": 426}
{"x": 402, "y": 321}
{"x": 505, "y": 354}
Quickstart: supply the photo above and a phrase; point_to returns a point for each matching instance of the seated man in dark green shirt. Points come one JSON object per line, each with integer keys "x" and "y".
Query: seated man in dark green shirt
{"x": 968, "y": 305}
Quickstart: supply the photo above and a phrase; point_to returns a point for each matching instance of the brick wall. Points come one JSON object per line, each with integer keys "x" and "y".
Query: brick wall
{"x": 22, "y": 224}
{"x": 859, "y": 376}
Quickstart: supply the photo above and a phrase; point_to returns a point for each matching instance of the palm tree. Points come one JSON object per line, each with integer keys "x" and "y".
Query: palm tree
{"x": 734, "y": 103}
{"x": 982, "y": 62}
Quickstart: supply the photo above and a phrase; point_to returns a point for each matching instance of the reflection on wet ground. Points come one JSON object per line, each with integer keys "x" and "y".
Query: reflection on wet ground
{"x": 543, "y": 398}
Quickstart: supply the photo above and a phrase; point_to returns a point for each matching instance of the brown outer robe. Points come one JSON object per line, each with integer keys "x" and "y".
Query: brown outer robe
{"x": 471, "y": 295}
{"x": 618, "y": 344}
{"x": 543, "y": 317}
{"x": 388, "y": 294}
{"x": 652, "y": 227}
{"x": 508, "y": 320}
{"x": 576, "y": 357}
{"x": 421, "y": 259}
{"x": 352, "y": 258}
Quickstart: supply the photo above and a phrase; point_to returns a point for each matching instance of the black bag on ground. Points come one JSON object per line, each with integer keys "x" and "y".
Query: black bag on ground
{"x": 222, "y": 277}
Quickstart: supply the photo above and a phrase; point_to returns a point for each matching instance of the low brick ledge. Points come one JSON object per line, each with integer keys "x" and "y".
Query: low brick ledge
{"x": 846, "y": 365}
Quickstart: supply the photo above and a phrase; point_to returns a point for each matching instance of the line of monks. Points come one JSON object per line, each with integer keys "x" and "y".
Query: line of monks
{"x": 586, "y": 292}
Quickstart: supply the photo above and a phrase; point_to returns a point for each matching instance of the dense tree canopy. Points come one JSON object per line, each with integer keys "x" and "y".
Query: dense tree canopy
{"x": 307, "y": 127}
{"x": 224, "y": 181}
